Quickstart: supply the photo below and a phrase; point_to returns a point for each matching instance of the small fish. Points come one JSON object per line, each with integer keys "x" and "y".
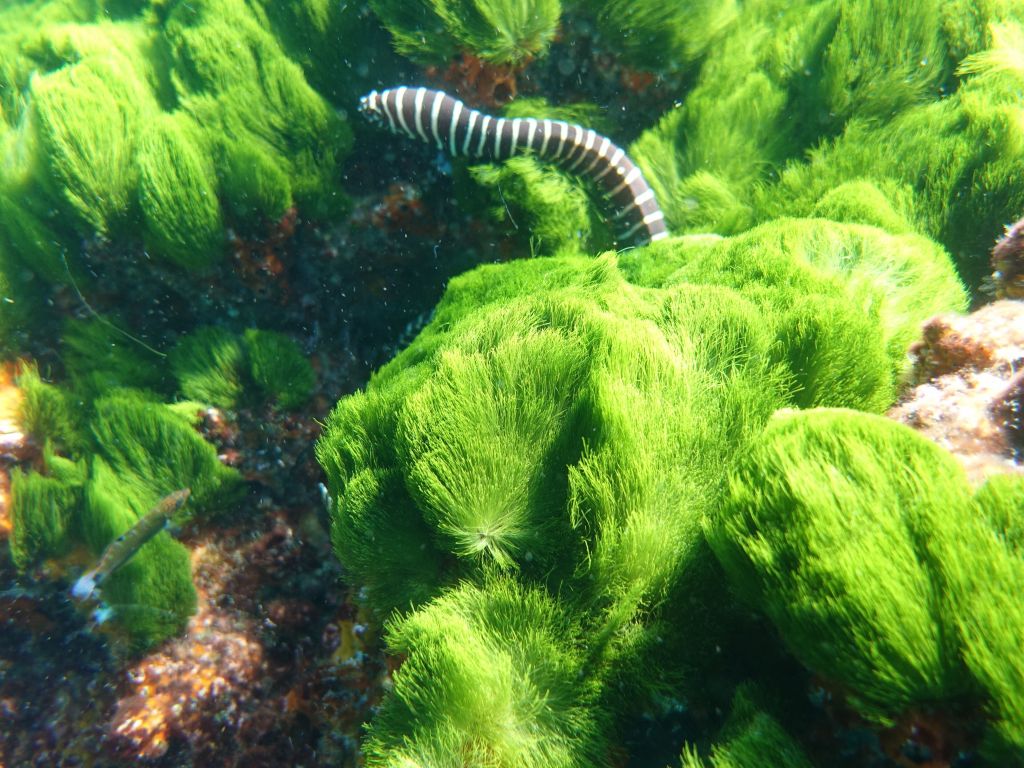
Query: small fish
{"x": 121, "y": 549}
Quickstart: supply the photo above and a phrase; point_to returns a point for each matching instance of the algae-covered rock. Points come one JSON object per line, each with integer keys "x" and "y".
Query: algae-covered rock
{"x": 278, "y": 367}
{"x": 912, "y": 99}
{"x": 821, "y": 279}
{"x": 209, "y": 364}
{"x": 750, "y": 738}
{"x": 861, "y": 541}
{"x": 214, "y": 366}
{"x": 569, "y": 424}
{"x": 186, "y": 116}
{"x": 42, "y": 510}
{"x": 128, "y": 451}
{"x": 178, "y": 192}
{"x": 826, "y": 529}
{"x": 464, "y": 425}
{"x": 659, "y": 36}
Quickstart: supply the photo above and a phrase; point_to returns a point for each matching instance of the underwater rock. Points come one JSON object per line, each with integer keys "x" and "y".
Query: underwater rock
{"x": 967, "y": 393}
{"x": 1008, "y": 263}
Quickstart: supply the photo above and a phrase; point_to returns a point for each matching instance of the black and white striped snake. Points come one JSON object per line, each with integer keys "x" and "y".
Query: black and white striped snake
{"x": 434, "y": 116}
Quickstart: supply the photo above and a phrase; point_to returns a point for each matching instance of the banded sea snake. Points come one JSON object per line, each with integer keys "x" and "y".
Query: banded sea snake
{"x": 434, "y": 116}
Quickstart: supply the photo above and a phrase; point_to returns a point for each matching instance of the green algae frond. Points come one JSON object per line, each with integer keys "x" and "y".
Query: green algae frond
{"x": 214, "y": 366}
{"x": 209, "y": 364}
{"x": 862, "y": 75}
{"x": 188, "y": 117}
{"x": 493, "y": 675}
{"x": 278, "y": 367}
{"x": 838, "y": 557}
{"x": 861, "y": 540}
{"x": 501, "y": 31}
{"x": 750, "y": 738}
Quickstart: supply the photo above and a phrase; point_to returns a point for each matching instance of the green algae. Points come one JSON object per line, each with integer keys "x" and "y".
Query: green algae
{"x": 569, "y": 423}
{"x": 41, "y": 515}
{"x": 493, "y": 675}
{"x": 555, "y": 447}
{"x": 888, "y": 558}
{"x": 502, "y": 31}
{"x": 799, "y": 538}
{"x": 750, "y": 738}
{"x": 99, "y": 357}
{"x": 178, "y": 194}
{"x": 278, "y": 368}
{"x": 657, "y": 36}
{"x": 209, "y": 364}
{"x": 217, "y": 367}
{"x": 95, "y": 109}
{"x": 865, "y": 75}
{"x": 126, "y": 452}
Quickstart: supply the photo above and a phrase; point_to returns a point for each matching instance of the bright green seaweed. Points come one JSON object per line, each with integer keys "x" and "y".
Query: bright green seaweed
{"x": 568, "y": 492}
{"x": 95, "y": 110}
{"x": 857, "y": 535}
{"x": 128, "y": 451}
{"x": 569, "y": 422}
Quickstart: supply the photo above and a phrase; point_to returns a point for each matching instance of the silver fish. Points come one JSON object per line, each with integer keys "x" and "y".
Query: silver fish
{"x": 121, "y": 549}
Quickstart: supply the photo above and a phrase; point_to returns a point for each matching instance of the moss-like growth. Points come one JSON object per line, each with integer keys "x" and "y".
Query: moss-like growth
{"x": 465, "y": 434}
{"x": 42, "y": 512}
{"x": 544, "y": 204}
{"x": 321, "y": 35}
{"x": 279, "y": 368}
{"x": 1001, "y": 500}
{"x": 129, "y": 451}
{"x": 99, "y": 357}
{"x": 178, "y": 193}
{"x": 826, "y": 281}
{"x": 255, "y": 187}
{"x": 163, "y": 114}
{"x": 569, "y": 423}
{"x": 214, "y": 366}
{"x": 88, "y": 118}
{"x": 48, "y": 413}
{"x": 983, "y": 569}
{"x": 152, "y": 595}
{"x": 155, "y": 451}
{"x": 751, "y": 738}
{"x": 861, "y": 74}
{"x": 855, "y": 535}
{"x": 209, "y": 365}
{"x": 494, "y": 676}
{"x": 659, "y": 36}
{"x": 501, "y": 31}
